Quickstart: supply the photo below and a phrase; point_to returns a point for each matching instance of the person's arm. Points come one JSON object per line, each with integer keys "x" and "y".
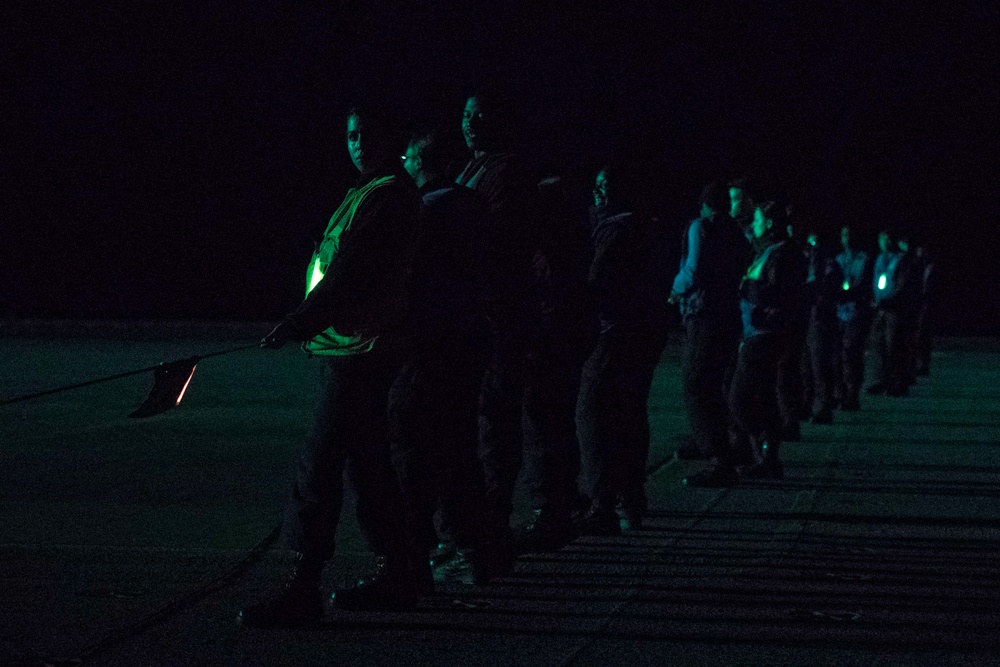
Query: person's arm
{"x": 684, "y": 281}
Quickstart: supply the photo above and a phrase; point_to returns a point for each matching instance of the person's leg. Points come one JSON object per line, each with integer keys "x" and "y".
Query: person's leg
{"x": 880, "y": 345}
{"x": 597, "y": 423}
{"x": 313, "y": 510}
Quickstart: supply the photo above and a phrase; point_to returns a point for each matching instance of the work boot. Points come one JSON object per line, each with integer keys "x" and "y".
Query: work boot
{"x": 769, "y": 468}
{"x": 549, "y": 530}
{"x": 599, "y": 521}
{"x": 824, "y": 416}
{"x": 716, "y": 477}
{"x": 393, "y": 587}
{"x": 850, "y": 405}
{"x": 298, "y": 604}
{"x": 876, "y": 389}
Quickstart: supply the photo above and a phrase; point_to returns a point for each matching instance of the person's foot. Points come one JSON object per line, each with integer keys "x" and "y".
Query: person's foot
{"x": 296, "y": 605}
{"x": 716, "y": 477}
{"x": 850, "y": 405}
{"x": 898, "y": 391}
{"x": 599, "y": 521}
{"x": 768, "y": 469}
{"x": 548, "y": 531}
{"x": 791, "y": 432}
{"x": 390, "y": 588}
{"x": 629, "y": 518}
{"x": 876, "y": 389}
{"x": 689, "y": 452}
{"x": 824, "y": 416}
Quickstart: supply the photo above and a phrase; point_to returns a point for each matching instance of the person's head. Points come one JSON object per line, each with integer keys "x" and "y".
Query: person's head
{"x": 369, "y": 138}
{"x": 885, "y": 241}
{"x": 740, "y": 200}
{"x": 845, "y": 237}
{"x": 615, "y": 185}
{"x": 486, "y": 119}
{"x": 425, "y": 157}
{"x": 714, "y": 199}
{"x": 768, "y": 219}
{"x": 903, "y": 243}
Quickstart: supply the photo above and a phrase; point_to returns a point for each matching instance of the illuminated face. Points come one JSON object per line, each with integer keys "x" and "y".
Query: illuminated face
{"x": 363, "y": 147}
{"x": 884, "y": 242}
{"x": 475, "y": 125}
{"x": 601, "y": 189}
{"x": 845, "y": 237}
{"x": 737, "y": 202}
{"x": 904, "y": 245}
{"x": 411, "y": 160}
{"x": 812, "y": 239}
{"x": 760, "y": 224}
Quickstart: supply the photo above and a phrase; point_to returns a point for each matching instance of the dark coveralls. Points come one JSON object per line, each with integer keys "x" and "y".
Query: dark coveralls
{"x": 714, "y": 256}
{"x": 434, "y": 401}
{"x": 823, "y": 283}
{"x": 501, "y": 179}
{"x": 854, "y": 318}
{"x": 896, "y": 302}
{"x": 769, "y": 295}
{"x": 790, "y": 382}
{"x": 562, "y": 339}
{"x": 362, "y": 292}
{"x": 612, "y": 415}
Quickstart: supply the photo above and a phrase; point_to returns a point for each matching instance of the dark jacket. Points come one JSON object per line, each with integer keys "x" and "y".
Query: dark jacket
{"x": 363, "y": 289}
{"x": 770, "y": 292}
{"x": 714, "y": 256}
{"x": 627, "y": 271}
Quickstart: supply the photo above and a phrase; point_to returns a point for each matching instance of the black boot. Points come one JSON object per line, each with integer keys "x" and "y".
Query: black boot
{"x": 298, "y": 604}
{"x": 550, "y": 530}
{"x": 395, "y": 586}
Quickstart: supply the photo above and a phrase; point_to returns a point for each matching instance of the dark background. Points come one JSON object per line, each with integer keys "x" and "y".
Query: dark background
{"x": 177, "y": 160}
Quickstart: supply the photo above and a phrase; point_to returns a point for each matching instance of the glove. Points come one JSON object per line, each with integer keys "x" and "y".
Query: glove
{"x": 281, "y": 334}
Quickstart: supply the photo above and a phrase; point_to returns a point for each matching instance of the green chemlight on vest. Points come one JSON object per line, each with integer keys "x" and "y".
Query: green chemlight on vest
{"x": 882, "y": 281}
{"x": 847, "y": 285}
{"x": 315, "y": 276}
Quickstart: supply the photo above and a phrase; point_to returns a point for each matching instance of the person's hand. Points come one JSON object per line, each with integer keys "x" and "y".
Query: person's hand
{"x": 280, "y": 335}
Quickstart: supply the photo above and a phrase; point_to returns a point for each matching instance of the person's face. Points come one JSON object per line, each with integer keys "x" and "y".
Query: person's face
{"x": 812, "y": 239}
{"x": 737, "y": 202}
{"x": 845, "y": 238}
{"x": 904, "y": 245}
{"x": 411, "y": 160}
{"x": 760, "y": 224}
{"x": 476, "y": 127}
{"x": 884, "y": 242}
{"x": 364, "y": 147}
{"x": 601, "y": 189}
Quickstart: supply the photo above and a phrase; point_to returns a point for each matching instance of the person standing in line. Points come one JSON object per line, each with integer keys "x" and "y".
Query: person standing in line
{"x": 893, "y": 289}
{"x": 714, "y": 256}
{"x": 853, "y": 319}
{"x": 496, "y": 171}
{"x": 922, "y": 337}
{"x": 612, "y": 415}
{"x": 434, "y": 401}
{"x": 768, "y": 298}
{"x": 356, "y": 289}
{"x": 823, "y": 284}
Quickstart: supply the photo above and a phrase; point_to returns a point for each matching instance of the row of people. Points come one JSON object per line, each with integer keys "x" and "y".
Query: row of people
{"x": 780, "y": 337}
{"x": 469, "y": 325}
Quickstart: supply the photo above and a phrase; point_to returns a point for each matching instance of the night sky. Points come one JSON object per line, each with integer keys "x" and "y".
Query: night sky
{"x": 177, "y": 160}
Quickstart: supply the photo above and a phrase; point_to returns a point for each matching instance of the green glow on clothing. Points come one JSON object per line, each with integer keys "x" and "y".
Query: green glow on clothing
{"x": 882, "y": 279}
{"x": 847, "y": 285}
{"x": 315, "y": 275}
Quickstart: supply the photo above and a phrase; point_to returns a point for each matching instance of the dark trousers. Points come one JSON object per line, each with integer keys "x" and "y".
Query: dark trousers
{"x": 349, "y": 433}
{"x": 433, "y": 406}
{"x": 753, "y": 399}
{"x": 922, "y": 341}
{"x": 822, "y": 353}
{"x": 551, "y": 448}
{"x": 790, "y": 387}
{"x": 612, "y": 412}
{"x": 501, "y": 439}
{"x": 709, "y": 356}
{"x": 890, "y": 340}
{"x": 853, "y": 334}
